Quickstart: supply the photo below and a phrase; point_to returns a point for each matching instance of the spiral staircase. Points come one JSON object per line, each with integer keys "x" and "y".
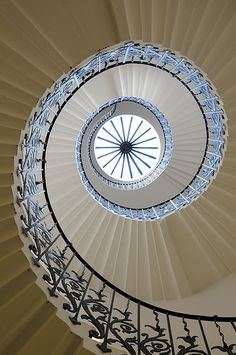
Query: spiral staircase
{"x": 185, "y": 263}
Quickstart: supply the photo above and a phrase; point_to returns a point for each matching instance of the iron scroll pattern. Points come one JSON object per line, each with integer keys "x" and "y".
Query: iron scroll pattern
{"x": 116, "y": 319}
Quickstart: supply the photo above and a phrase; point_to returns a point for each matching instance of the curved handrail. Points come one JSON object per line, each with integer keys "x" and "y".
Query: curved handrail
{"x": 88, "y": 296}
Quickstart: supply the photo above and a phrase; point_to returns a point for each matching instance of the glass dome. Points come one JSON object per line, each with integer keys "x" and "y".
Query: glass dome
{"x": 127, "y": 148}
{"x": 126, "y": 143}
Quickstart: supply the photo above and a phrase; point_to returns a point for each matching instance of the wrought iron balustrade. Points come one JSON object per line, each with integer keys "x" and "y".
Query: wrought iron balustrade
{"x": 116, "y": 318}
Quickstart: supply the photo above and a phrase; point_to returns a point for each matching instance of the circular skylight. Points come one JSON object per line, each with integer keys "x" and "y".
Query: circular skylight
{"x": 127, "y": 147}
{"x": 128, "y": 143}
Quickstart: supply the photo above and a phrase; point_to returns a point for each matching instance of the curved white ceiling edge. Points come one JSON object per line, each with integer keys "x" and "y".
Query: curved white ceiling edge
{"x": 173, "y": 100}
{"x": 223, "y": 293}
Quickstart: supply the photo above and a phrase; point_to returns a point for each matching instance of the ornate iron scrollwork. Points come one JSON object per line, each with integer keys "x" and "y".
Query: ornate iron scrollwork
{"x": 190, "y": 346}
{"x": 96, "y": 312}
{"x": 123, "y": 326}
{"x": 157, "y": 343}
{"x": 73, "y": 286}
{"x": 56, "y": 262}
{"x": 224, "y": 348}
